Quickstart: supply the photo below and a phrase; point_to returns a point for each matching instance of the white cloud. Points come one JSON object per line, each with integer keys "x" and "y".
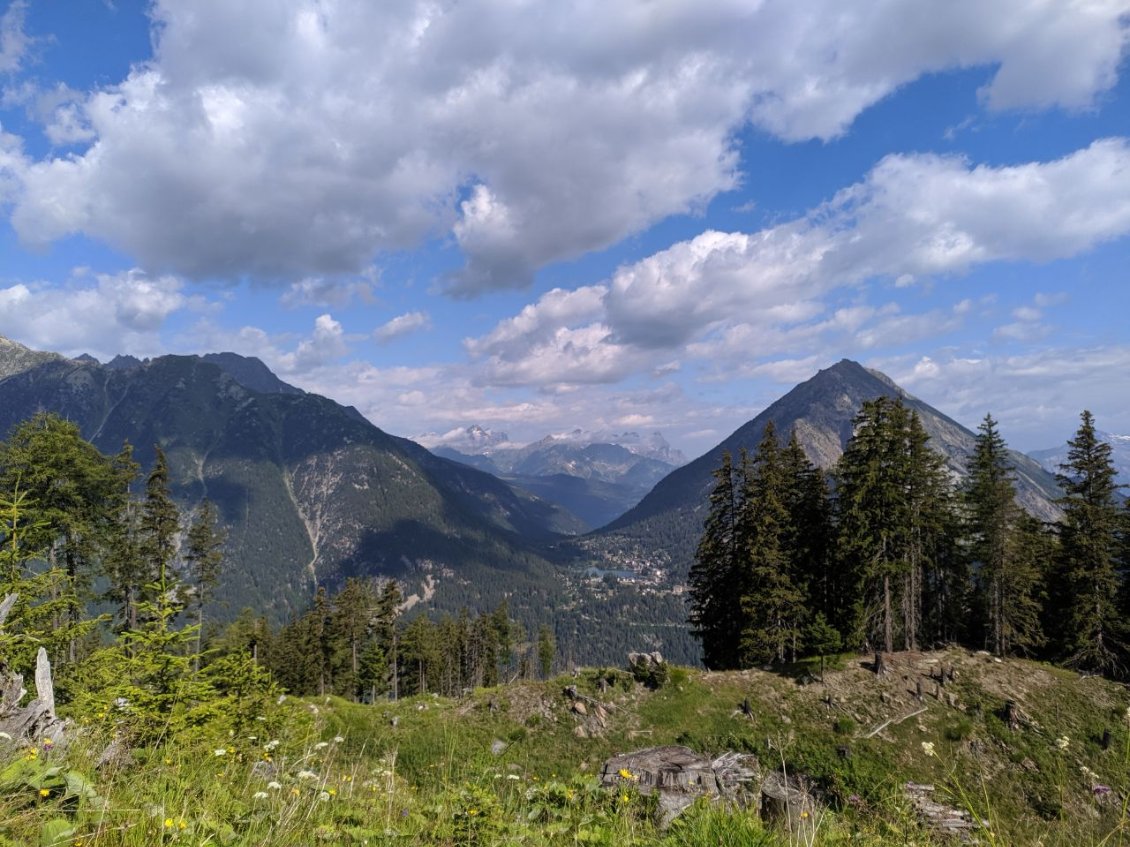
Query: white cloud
{"x": 283, "y": 140}
{"x": 1029, "y": 394}
{"x": 325, "y": 292}
{"x": 114, "y": 313}
{"x": 402, "y": 325}
{"x": 740, "y": 296}
{"x": 14, "y": 42}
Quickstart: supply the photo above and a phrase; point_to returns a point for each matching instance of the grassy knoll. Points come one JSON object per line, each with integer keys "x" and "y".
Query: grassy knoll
{"x": 517, "y": 765}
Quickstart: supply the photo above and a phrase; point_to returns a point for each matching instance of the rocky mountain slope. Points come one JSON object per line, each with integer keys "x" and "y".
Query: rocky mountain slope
{"x": 309, "y": 490}
{"x": 664, "y": 528}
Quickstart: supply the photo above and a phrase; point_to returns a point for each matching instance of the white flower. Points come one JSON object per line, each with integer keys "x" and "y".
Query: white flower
{"x": 1063, "y": 742}
{"x": 928, "y": 748}
{"x": 271, "y": 745}
{"x": 324, "y": 796}
{"x": 259, "y": 795}
{"x": 220, "y": 751}
{"x": 321, "y": 745}
{"x": 274, "y": 786}
{"x": 338, "y": 739}
{"x": 307, "y": 775}
{"x": 513, "y": 776}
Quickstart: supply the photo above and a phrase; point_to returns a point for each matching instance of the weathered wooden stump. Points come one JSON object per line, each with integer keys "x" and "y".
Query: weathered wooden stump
{"x": 787, "y": 802}
{"x": 37, "y": 721}
{"x": 679, "y": 776}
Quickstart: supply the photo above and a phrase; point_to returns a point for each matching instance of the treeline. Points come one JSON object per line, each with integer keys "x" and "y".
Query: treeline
{"x": 356, "y": 644}
{"x": 886, "y": 553}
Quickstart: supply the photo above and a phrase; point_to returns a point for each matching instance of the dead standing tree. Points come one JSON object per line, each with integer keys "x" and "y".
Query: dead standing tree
{"x": 36, "y": 721}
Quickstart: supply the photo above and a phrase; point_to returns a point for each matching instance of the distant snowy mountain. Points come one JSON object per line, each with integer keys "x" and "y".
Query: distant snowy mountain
{"x": 1053, "y": 457}
{"x": 596, "y": 475}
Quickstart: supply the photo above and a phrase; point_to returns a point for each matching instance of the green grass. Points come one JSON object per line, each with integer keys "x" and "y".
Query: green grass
{"x": 431, "y": 771}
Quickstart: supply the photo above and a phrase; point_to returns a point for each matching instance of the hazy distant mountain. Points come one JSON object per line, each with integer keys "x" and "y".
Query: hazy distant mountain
{"x": 595, "y": 475}
{"x": 309, "y": 490}
{"x": 665, "y": 527}
{"x": 1053, "y": 457}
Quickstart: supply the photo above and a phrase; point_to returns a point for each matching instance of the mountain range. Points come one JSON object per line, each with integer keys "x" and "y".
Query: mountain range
{"x": 662, "y": 531}
{"x": 310, "y": 492}
{"x": 596, "y": 476}
{"x": 1051, "y": 458}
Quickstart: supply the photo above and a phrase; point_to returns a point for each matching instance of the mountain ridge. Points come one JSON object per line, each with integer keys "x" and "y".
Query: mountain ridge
{"x": 821, "y": 410}
{"x": 309, "y": 490}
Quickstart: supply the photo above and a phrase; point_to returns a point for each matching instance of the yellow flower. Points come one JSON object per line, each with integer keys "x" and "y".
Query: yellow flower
{"x": 168, "y": 823}
{"x": 331, "y": 791}
{"x": 181, "y": 825}
{"x": 627, "y": 774}
{"x": 44, "y": 792}
{"x": 624, "y": 798}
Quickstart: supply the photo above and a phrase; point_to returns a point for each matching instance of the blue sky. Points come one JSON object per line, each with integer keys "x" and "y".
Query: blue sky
{"x": 539, "y": 216}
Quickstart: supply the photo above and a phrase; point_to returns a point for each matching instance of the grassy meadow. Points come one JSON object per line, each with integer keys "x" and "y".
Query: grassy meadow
{"x": 518, "y": 764}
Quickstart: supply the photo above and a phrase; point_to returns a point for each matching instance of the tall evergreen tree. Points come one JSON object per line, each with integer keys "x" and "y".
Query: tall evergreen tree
{"x": 203, "y": 554}
{"x": 1092, "y": 637}
{"x": 809, "y": 533}
{"x": 715, "y": 613}
{"x": 893, "y": 521}
{"x": 772, "y": 605}
{"x": 70, "y": 490}
{"x": 999, "y": 545}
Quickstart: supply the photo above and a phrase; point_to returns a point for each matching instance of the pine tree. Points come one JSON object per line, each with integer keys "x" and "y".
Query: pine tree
{"x": 894, "y": 524}
{"x": 809, "y": 536}
{"x": 935, "y": 597}
{"x": 158, "y": 527}
{"x": 1093, "y": 633}
{"x": 772, "y": 606}
{"x": 204, "y": 557}
{"x": 547, "y": 649}
{"x": 999, "y": 543}
{"x": 715, "y": 613}
{"x": 70, "y": 490}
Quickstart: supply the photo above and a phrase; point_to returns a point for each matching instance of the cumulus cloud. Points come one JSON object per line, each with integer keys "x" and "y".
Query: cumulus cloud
{"x": 103, "y": 316}
{"x": 401, "y": 325}
{"x": 14, "y": 41}
{"x": 1028, "y": 394}
{"x": 287, "y": 140}
{"x": 742, "y": 295}
{"x": 325, "y": 292}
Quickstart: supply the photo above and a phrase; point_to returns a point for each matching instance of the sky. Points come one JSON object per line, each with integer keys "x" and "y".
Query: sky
{"x": 647, "y": 215}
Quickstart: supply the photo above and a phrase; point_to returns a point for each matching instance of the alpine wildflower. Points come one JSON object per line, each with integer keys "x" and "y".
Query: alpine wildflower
{"x": 928, "y": 748}
{"x": 1063, "y": 742}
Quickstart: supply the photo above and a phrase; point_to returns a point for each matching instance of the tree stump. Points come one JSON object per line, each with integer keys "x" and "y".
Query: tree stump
{"x": 679, "y": 776}
{"x": 786, "y": 801}
{"x": 37, "y": 721}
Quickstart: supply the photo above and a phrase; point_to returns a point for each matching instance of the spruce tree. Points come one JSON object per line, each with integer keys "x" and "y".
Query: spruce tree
{"x": 204, "y": 557}
{"x": 894, "y": 527}
{"x": 808, "y": 537}
{"x": 771, "y": 604}
{"x": 1000, "y": 548}
{"x": 715, "y": 613}
{"x": 1093, "y": 632}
